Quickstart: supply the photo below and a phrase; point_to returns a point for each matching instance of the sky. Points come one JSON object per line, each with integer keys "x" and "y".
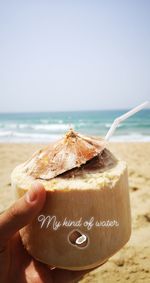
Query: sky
{"x": 74, "y": 55}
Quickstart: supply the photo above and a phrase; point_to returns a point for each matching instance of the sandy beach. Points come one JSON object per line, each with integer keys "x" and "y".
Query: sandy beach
{"x": 131, "y": 263}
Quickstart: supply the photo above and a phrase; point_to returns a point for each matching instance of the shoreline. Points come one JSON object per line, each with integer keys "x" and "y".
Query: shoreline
{"x": 51, "y": 141}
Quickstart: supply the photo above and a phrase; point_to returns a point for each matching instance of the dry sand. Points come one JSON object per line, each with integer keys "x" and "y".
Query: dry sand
{"x": 131, "y": 263}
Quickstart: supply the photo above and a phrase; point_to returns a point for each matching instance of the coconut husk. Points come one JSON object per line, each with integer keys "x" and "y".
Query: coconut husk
{"x": 67, "y": 153}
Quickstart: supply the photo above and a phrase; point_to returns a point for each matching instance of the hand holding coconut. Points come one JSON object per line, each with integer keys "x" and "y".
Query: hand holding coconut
{"x": 83, "y": 180}
{"x": 16, "y": 265}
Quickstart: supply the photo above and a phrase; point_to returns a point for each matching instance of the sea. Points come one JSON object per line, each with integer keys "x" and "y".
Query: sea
{"x": 49, "y": 126}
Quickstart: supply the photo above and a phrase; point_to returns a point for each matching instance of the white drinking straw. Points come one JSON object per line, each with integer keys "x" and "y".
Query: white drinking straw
{"x": 125, "y": 116}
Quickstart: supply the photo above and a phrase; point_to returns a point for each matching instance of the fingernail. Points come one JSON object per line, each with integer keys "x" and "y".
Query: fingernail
{"x": 31, "y": 195}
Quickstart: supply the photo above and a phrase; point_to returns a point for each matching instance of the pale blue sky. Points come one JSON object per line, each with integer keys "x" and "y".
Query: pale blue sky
{"x": 74, "y": 55}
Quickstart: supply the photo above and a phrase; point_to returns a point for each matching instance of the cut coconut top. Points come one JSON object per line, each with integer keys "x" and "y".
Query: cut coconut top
{"x": 67, "y": 153}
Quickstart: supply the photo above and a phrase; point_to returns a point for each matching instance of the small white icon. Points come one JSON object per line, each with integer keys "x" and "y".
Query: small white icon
{"x": 81, "y": 240}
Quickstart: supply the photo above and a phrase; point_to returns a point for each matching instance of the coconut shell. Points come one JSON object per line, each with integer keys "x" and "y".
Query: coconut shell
{"x": 67, "y": 153}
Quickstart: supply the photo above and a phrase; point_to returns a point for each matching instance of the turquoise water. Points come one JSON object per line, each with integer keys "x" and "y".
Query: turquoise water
{"x": 44, "y": 127}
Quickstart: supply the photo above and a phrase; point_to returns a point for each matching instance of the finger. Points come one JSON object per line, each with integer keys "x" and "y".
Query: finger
{"x": 68, "y": 276}
{"x": 22, "y": 212}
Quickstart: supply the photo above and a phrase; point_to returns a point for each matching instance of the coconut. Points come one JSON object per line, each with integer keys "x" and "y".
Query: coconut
{"x": 86, "y": 192}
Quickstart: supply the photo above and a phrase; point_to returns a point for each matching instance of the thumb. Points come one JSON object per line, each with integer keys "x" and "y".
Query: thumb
{"x": 22, "y": 212}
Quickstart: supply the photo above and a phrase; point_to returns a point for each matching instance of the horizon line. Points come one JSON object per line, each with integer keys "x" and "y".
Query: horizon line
{"x": 64, "y": 111}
